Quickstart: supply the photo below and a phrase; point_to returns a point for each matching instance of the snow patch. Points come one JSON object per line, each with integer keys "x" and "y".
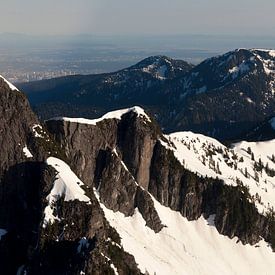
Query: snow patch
{"x": 249, "y": 100}
{"x": 239, "y": 70}
{"x": 111, "y": 115}
{"x": 268, "y": 64}
{"x": 37, "y": 130}
{"x": 11, "y": 86}
{"x": 66, "y": 185}
{"x": 111, "y": 264}
{"x": 27, "y": 152}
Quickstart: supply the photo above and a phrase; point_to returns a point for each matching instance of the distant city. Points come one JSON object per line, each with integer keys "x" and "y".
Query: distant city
{"x": 25, "y": 58}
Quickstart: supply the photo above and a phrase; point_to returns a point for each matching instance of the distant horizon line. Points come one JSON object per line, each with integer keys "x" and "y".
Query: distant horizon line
{"x": 140, "y": 35}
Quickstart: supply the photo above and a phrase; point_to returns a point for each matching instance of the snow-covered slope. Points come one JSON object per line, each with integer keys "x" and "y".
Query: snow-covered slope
{"x": 161, "y": 239}
{"x": 188, "y": 247}
{"x": 220, "y": 71}
{"x": 247, "y": 163}
{"x": 66, "y": 185}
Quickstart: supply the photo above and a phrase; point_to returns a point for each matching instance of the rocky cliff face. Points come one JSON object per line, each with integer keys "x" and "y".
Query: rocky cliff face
{"x": 45, "y": 227}
{"x": 100, "y": 161}
{"x": 133, "y": 157}
{"x": 63, "y": 183}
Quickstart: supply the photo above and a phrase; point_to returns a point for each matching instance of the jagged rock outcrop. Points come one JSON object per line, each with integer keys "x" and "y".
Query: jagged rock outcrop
{"x": 60, "y": 181}
{"x": 100, "y": 160}
{"x": 40, "y": 235}
{"x": 136, "y": 144}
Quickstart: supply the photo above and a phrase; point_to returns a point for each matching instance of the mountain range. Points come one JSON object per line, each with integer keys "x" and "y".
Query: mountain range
{"x": 114, "y": 195}
{"x": 223, "y": 97}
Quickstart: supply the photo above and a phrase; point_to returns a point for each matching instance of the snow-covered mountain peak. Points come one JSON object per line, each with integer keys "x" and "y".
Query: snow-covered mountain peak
{"x": 218, "y": 72}
{"x": 162, "y": 67}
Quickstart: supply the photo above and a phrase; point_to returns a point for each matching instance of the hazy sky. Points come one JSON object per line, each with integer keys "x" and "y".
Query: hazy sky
{"x": 252, "y": 17}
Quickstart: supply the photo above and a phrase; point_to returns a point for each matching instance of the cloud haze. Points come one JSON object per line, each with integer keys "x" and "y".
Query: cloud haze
{"x": 138, "y": 16}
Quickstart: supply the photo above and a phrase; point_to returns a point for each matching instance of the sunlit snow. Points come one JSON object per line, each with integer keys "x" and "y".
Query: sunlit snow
{"x": 111, "y": 115}
{"x": 66, "y": 184}
{"x": 208, "y": 157}
{"x": 188, "y": 247}
{"x": 27, "y": 152}
{"x": 12, "y": 87}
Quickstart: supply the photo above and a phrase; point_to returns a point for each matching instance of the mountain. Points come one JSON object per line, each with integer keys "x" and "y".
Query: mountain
{"x": 92, "y": 95}
{"x": 172, "y": 197}
{"x": 50, "y": 223}
{"x": 226, "y": 95}
{"x": 223, "y": 97}
{"x": 114, "y": 195}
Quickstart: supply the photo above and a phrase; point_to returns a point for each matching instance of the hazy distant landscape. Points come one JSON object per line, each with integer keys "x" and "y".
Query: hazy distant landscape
{"x": 137, "y": 137}
{"x": 25, "y": 58}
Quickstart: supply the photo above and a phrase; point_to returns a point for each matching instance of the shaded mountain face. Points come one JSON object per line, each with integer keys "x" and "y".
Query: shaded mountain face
{"x": 114, "y": 195}
{"x": 222, "y": 97}
{"x": 227, "y": 95}
{"x": 49, "y": 222}
{"x": 92, "y": 95}
{"x": 264, "y": 131}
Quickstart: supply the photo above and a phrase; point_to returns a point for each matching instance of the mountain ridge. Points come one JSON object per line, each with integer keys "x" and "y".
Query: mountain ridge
{"x": 222, "y": 97}
{"x": 189, "y": 202}
{"x": 83, "y": 196}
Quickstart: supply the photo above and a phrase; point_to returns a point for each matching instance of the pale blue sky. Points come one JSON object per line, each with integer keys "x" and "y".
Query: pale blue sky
{"x": 251, "y": 17}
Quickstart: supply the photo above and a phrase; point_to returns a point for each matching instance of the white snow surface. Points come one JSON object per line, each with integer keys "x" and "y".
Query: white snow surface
{"x": 269, "y": 64}
{"x": 270, "y": 52}
{"x": 2, "y": 232}
{"x": 36, "y": 128}
{"x": 111, "y": 115}
{"x": 27, "y": 152}
{"x": 208, "y": 157}
{"x": 239, "y": 70}
{"x": 157, "y": 70}
{"x": 188, "y": 247}
{"x": 66, "y": 184}
{"x": 12, "y": 87}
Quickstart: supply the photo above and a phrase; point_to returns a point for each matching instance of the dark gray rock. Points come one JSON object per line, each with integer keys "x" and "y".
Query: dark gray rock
{"x": 155, "y": 169}
{"x": 24, "y": 186}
